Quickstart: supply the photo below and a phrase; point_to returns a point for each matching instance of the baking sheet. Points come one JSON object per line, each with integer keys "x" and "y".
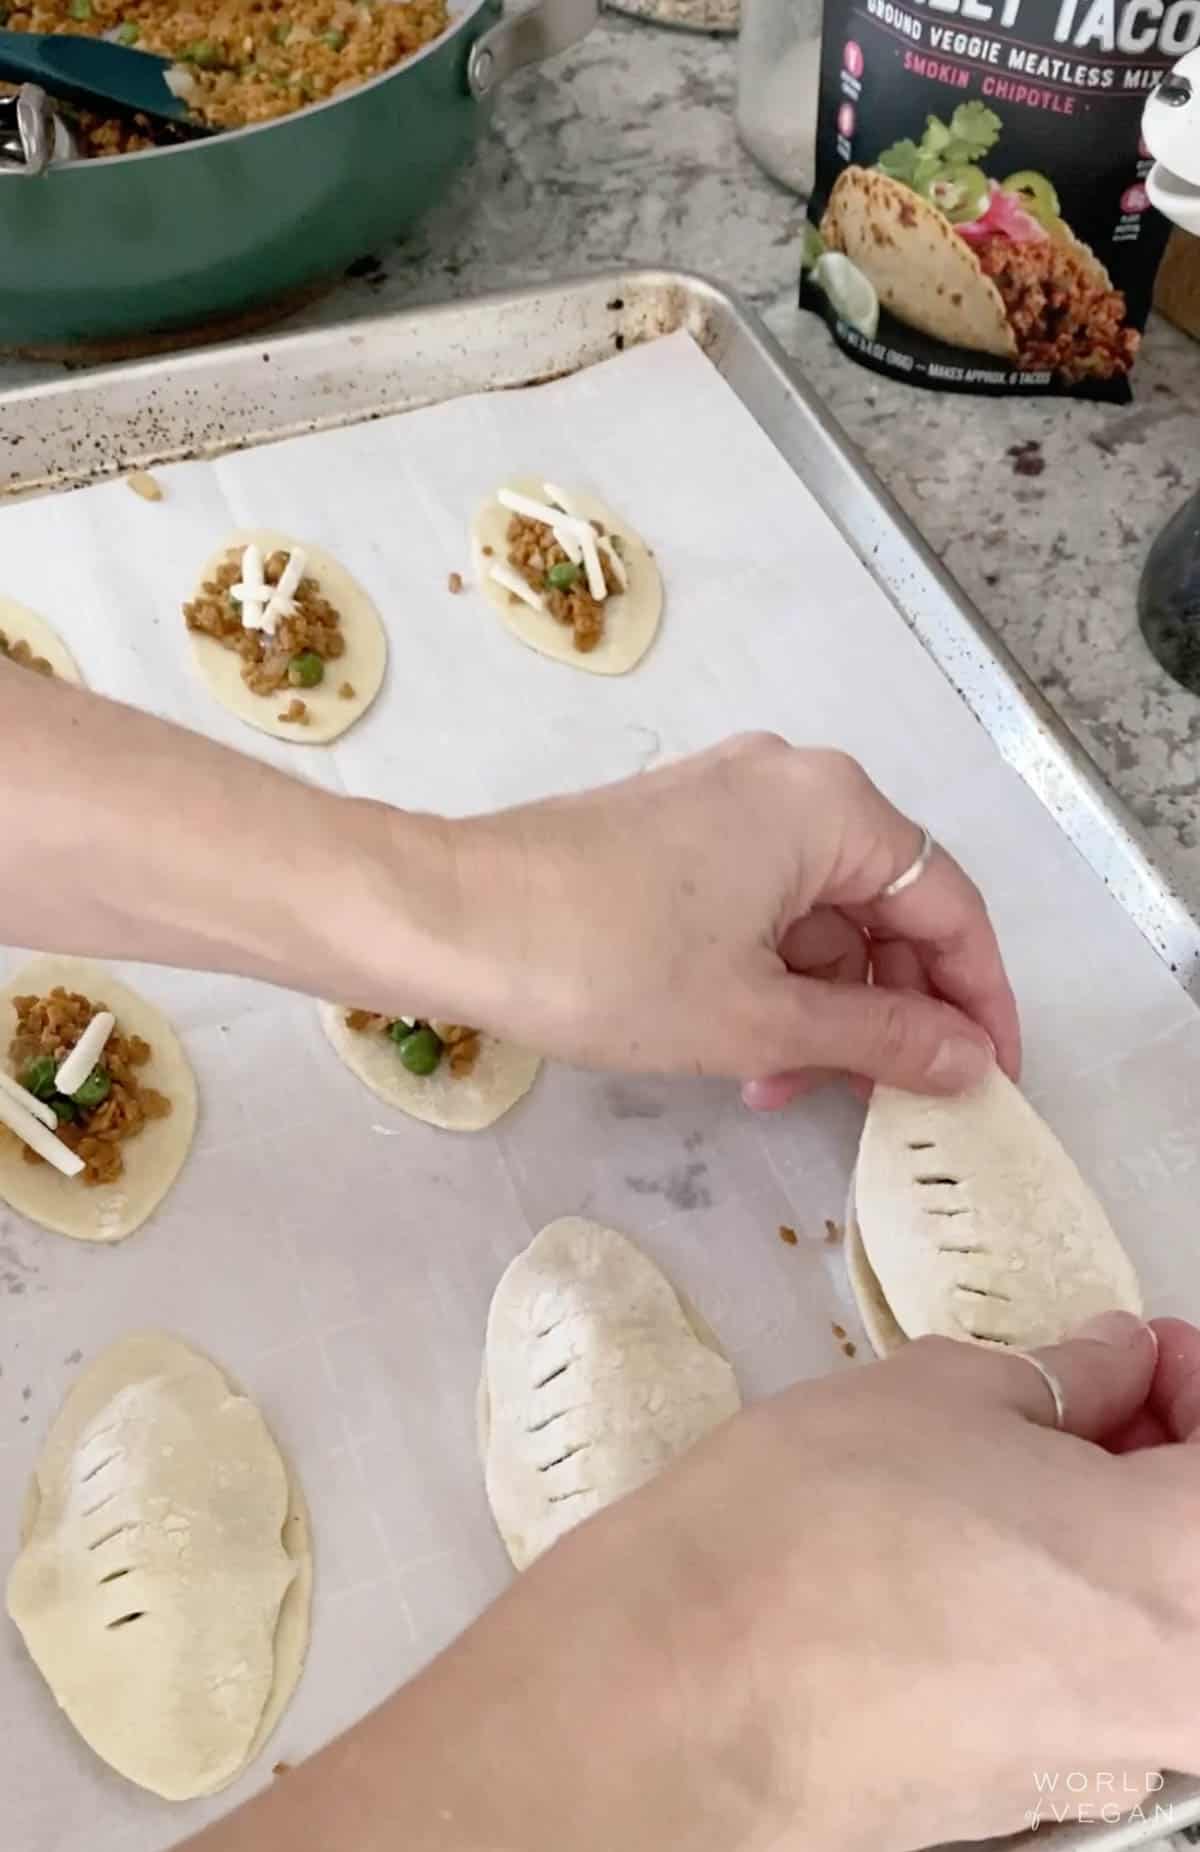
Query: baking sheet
{"x": 348, "y": 1289}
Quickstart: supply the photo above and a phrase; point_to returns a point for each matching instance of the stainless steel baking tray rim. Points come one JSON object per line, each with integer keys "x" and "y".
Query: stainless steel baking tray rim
{"x": 222, "y": 398}
{"x": 62, "y": 435}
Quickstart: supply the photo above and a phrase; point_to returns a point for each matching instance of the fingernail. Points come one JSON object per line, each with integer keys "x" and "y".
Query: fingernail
{"x": 961, "y": 1062}
{"x": 1116, "y": 1329}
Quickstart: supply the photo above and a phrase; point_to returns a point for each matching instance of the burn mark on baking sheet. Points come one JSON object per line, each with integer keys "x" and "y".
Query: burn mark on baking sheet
{"x": 683, "y": 1187}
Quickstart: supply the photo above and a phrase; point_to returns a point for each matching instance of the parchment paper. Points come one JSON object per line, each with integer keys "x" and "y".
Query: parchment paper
{"x": 338, "y": 1258}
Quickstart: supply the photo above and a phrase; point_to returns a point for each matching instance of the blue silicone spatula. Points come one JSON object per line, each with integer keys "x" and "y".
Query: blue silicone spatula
{"x": 97, "y": 74}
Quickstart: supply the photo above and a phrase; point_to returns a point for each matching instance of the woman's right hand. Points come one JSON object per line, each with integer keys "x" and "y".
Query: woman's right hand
{"x": 884, "y": 1610}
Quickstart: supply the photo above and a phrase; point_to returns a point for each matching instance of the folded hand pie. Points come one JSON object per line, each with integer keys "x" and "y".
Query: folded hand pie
{"x": 968, "y": 1219}
{"x": 596, "y": 1375}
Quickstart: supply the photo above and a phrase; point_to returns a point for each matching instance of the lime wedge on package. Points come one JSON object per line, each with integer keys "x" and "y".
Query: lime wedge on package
{"x": 849, "y": 292}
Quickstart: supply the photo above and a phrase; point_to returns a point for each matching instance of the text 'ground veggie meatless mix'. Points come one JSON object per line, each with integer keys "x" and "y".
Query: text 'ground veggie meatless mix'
{"x": 979, "y": 220}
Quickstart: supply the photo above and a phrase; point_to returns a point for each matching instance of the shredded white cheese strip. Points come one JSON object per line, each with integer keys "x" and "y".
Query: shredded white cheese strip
{"x": 29, "y": 1101}
{"x": 251, "y": 594}
{"x": 591, "y": 562}
{"x": 569, "y": 543}
{"x": 33, "y": 1133}
{"x": 533, "y": 511}
{"x": 75, "y": 1067}
{"x": 282, "y": 599}
{"x": 615, "y": 561}
{"x": 565, "y": 528}
{"x": 514, "y": 583}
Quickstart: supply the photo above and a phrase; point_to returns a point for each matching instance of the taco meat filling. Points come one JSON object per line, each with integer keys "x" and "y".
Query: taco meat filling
{"x": 1065, "y": 319}
{"x": 110, "y": 1107}
{"x": 422, "y": 1046}
{"x": 295, "y": 657}
{"x": 20, "y": 652}
{"x": 237, "y": 61}
{"x": 562, "y": 584}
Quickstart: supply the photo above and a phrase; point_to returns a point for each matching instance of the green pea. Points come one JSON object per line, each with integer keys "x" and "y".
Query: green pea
{"x": 421, "y": 1051}
{"x": 38, "y": 1076}
{"x": 399, "y": 1031}
{"x": 63, "y": 1108}
{"x": 201, "y": 51}
{"x": 306, "y": 669}
{"x": 80, "y": 9}
{"x": 128, "y": 33}
{"x": 564, "y": 574}
{"x": 334, "y": 40}
{"x": 95, "y": 1088}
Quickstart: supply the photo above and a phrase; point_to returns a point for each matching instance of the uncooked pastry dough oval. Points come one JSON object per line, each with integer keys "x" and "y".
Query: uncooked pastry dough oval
{"x": 160, "y": 1494}
{"x": 362, "y": 665}
{"x": 21, "y": 625}
{"x": 974, "y": 1223}
{"x": 153, "y": 1159}
{"x": 596, "y": 1374}
{"x": 502, "y": 1075}
{"x": 631, "y": 618}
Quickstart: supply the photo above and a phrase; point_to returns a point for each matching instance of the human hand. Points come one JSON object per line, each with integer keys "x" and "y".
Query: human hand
{"x": 897, "y": 1605}
{"x": 712, "y": 917}
{"x": 871, "y": 1614}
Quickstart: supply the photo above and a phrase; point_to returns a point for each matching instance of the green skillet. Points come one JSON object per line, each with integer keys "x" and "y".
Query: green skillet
{"x": 204, "y": 231}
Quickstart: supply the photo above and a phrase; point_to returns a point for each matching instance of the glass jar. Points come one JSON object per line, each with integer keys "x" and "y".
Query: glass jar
{"x": 779, "y": 70}
{"x": 688, "y": 15}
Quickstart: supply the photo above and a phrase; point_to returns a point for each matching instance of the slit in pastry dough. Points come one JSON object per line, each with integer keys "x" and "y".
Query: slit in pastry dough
{"x": 1032, "y": 1255}
{"x": 596, "y": 1374}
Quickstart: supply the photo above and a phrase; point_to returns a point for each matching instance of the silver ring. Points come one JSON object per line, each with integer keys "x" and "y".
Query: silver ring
{"x": 1052, "y": 1383}
{"x": 912, "y": 873}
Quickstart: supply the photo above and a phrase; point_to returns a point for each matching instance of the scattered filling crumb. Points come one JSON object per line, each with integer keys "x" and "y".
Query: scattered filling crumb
{"x": 849, "y": 1348}
{"x": 346, "y": 691}
{"x": 455, "y": 582}
{"x": 143, "y": 484}
{"x": 422, "y": 1046}
{"x": 110, "y": 1107}
{"x": 295, "y": 713}
{"x": 833, "y": 1233}
{"x": 839, "y": 1331}
{"x": 302, "y": 644}
{"x": 20, "y": 652}
{"x": 788, "y": 1234}
{"x": 560, "y": 581}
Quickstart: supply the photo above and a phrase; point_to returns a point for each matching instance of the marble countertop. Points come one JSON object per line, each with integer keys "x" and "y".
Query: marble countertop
{"x": 624, "y": 151}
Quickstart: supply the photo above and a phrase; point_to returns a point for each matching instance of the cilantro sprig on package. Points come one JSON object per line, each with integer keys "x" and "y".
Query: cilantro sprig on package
{"x": 973, "y": 129}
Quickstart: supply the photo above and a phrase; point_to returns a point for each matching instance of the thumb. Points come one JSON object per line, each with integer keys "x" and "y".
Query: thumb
{"x": 895, "y": 1036}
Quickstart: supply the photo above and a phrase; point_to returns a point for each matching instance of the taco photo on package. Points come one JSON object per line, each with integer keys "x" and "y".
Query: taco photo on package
{"x": 978, "y": 262}
{"x": 998, "y": 241}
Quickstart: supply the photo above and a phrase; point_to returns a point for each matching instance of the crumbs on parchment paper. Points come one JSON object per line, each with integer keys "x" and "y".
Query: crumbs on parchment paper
{"x": 788, "y": 1235}
{"x": 833, "y": 1233}
{"x": 144, "y": 484}
{"x": 455, "y": 582}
